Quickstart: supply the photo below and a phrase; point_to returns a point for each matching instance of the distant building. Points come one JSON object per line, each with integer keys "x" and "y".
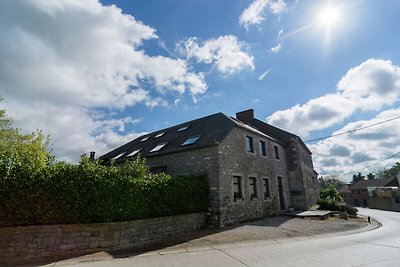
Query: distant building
{"x": 253, "y": 168}
{"x": 357, "y": 194}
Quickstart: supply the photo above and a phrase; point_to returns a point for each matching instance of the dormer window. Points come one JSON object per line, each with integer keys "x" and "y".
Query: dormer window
{"x": 183, "y": 128}
{"x": 158, "y": 147}
{"x": 191, "y": 140}
{"x": 145, "y": 138}
{"x": 134, "y": 152}
{"x": 159, "y": 134}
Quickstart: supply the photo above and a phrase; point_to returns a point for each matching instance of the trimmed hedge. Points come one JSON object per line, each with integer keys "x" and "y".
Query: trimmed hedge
{"x": 89, "y": 192}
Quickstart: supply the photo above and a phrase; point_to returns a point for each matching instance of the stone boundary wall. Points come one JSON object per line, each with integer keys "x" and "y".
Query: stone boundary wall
{"x": 46, "y": 243}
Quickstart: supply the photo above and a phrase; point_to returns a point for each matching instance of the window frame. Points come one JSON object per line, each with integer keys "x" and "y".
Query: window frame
{"x": 253, "y": 187}
{"x": 266, "y": 188}
{"x": 276, "y": 150}
{"x": 239, "y": 193}
{"x": 263, "y": 148}
{"x": 160, "y": 146}
{"x": 249, "y": 144}
{"x": 196, "y": 137}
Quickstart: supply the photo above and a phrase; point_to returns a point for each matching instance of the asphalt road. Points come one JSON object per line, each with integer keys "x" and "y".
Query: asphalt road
{"x": 379, "y": 247}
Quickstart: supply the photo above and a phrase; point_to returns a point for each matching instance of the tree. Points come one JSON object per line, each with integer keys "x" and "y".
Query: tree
{"x": 371, "y": 176}
{"x": 337, "y": 181}
{"x": 392, "y": 171}
{"x": 22, "y": 152}
{"x": 357, "y": 178}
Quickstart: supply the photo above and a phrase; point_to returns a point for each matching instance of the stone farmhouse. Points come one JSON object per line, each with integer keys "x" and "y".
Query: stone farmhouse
{"x": 253, "y": 169}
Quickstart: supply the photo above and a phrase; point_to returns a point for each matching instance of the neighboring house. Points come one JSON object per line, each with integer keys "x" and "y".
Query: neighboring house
{"x": 384, "y": 198}
{"x": 346, "y": 194}
{"x": 253, "y": 171}
{"x": 359, "y": 190}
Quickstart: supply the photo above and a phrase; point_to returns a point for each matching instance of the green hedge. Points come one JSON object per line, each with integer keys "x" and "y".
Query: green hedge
{"x": 89, "y": 192}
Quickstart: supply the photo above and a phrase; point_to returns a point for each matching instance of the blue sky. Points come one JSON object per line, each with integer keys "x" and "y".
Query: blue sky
{"x": 95, "y": 75}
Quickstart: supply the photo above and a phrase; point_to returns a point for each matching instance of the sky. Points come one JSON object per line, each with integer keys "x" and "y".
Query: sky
{"x": 96, "y": 74}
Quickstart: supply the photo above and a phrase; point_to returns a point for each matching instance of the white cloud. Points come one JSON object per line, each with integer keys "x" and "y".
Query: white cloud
{"x": 372, "y": 85}
{"x": 225, "y": 53}
{"x": 254, "y": 14}
{"x": 350, "y": 152}
{"x": 61, "y": 60}
{"x": 276, "y": 49}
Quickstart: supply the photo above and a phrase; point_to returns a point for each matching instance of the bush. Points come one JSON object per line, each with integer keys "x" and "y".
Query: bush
{"x": 89, "y": 192}
{"x": 351, "y": 210}
{"x": 328, "y": 203}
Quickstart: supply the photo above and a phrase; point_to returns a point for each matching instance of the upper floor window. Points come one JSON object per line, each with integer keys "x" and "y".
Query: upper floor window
{"x": 134, "y": 152}
{"x": 159, "y": 135}
{"x": 183, "y": 128}
{"x": 276, "y": 149}
{"x": 191, "y": 140}
{"x": 263, "y": 149}
{"x": 145, "y": 138}
{"x": 249, "y": 144}
{"x": 158, "y": 147}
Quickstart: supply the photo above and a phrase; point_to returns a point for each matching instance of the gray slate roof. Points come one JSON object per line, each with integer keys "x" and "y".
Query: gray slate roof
{"x": 211, "y": 131}
{"x": 363, "y": 184}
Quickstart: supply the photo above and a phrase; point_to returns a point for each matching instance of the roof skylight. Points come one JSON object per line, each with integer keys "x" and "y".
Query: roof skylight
{"x": 191, "y": 140}
{"x": 145, "y": 138}
{"x": 119, "y": 155}
{"x": 158, "y": 147}
{"x": 183, "y": 128}
{"x": 134, "y": 152}
{"x": 159, "y": 135}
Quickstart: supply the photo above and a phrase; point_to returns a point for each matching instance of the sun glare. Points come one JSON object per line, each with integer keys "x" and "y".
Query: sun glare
{"x": 329, "y": 17}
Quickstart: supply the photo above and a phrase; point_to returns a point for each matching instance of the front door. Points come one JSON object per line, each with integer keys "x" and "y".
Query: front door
{"x": 281, "y": 193}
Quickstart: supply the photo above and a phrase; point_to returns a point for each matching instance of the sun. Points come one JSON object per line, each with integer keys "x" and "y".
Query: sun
{"x": 329, "y": 17}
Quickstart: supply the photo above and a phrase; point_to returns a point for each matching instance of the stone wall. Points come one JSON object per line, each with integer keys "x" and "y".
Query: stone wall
{"x": 235, "y": 161}
{"x": 46, "y": 243}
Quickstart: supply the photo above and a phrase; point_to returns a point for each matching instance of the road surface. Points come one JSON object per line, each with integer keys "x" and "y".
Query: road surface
{"x": 379, "y": 247}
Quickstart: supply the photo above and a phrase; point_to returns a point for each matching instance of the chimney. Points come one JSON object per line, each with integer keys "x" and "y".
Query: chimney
{"x": 246, "y": 115}
{"x": 92, "y": 155}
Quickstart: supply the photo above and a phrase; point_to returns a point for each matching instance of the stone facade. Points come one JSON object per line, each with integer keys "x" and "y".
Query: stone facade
{"x": 225, "y": 160}
{"x": 46, "y": 243}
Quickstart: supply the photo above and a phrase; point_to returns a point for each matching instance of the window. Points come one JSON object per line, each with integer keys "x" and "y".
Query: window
{"x": 263, "y": 150}
{"x": 134, "y": 152}
{"x": 249, "y": 144}
{"x": 145, "y": 138}
{"x": 159, "y": 134}
{"x": 253, "y": 187}
{"x": 158, "y": 147}
{"x": 119, "y": 155}
{"x": 237, "y": 187}
{"x": 276, "y": 149}
{"x": 266, "y": 188}
{"x": 183, "y": 128}
{"x": 191, "y": 140}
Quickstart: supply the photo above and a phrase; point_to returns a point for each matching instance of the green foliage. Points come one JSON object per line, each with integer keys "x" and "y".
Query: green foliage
{"x": 337, "y": 181}
{"x": 392, "y": 171}
{"x": 351, "y": 210}
{"x": 329, "y": 198}
{"x": 357, "y": 178}
{"x": 89, "y": 192}
{"x": 35, "y": 190}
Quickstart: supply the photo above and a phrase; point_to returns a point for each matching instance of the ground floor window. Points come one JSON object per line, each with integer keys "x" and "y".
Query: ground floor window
{"x": 266, "y": 188}
{"x": 253, "y": 187}
{"x": 237, "y": 187}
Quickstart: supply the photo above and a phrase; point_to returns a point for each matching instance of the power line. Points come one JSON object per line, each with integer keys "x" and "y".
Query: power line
{"x": 352, "y": 131}
{"x": 392, "y": 156}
